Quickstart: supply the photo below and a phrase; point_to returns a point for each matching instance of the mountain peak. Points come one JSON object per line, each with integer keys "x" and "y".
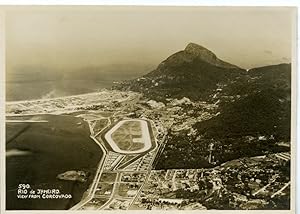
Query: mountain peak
{"x": 199, "y": 51}
{"x": 206, "y": 55}
{"x": 195, "y": 47}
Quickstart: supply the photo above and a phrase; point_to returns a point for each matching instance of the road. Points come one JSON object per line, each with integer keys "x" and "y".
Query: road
{"x": 110, "y": 164}
{"x": 26, "y": 121}
{"x": 283, "y": 188}
{"x": 93, "y": 187}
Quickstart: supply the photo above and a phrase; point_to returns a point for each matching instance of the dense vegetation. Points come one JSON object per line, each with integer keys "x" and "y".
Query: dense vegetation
{"x": 183, "y": 153}
{"x": 254, "y": 107}
{"x": 254, "y": 115}
{"x": 263, "y": 107}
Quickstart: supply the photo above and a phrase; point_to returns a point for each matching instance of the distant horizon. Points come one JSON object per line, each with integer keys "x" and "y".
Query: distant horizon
{"x": 140, "y": 64}
{"x": 75, "y": 37}
{"x": 48, "y": 48}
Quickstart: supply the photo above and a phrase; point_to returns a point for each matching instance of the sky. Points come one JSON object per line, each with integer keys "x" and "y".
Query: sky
{"x": 71, "y": 38}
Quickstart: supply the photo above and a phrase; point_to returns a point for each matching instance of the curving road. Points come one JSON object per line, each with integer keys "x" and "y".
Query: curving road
{"x": 111, "y": 161}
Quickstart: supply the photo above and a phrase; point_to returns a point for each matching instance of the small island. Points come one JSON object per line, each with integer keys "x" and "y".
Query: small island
{"x": 73, "y": 175}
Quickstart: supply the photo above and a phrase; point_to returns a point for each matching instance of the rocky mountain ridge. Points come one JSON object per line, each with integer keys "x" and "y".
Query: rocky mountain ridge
{"x": 193, "y": 72}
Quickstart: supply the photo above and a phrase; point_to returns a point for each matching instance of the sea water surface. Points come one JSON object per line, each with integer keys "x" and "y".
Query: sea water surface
{"x": 35, "y": 83}
{"x": 30, "y": 90}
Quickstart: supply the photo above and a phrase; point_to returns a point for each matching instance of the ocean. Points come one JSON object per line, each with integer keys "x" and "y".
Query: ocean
{"x": 17, "y": 91}
{"x": 34, "y": 83}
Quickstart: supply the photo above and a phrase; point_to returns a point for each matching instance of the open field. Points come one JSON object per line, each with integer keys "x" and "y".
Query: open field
{"x": 104, "y": 189}
{"x": 108, "y": 177}
{"x": 128, "y": 189}
{"x": 129, "y": 136}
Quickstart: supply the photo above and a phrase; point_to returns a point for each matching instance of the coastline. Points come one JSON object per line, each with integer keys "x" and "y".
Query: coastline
{"x": 57, "y": 98}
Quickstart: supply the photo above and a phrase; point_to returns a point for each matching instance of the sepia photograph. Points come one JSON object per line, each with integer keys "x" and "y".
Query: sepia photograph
{"x": 149, "y": 108}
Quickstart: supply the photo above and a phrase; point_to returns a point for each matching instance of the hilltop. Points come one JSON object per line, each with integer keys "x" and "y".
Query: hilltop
{"x": 193, "y": 72}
